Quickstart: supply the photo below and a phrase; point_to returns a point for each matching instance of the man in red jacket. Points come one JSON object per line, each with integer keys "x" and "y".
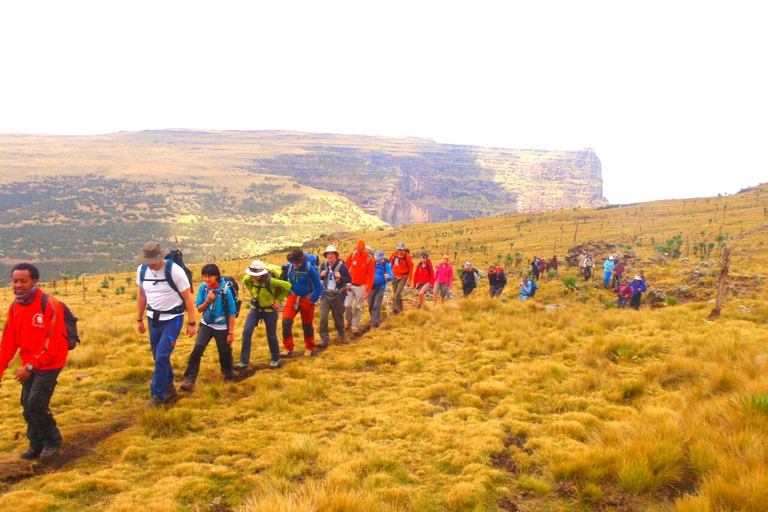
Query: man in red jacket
{"x": 40, "y": 336}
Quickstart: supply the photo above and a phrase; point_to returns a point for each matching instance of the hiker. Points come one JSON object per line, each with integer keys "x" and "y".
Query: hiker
{"x": 553, "y": 264}
{"x": 305, "y": 290}
{"x": 267, "y": 292}
{"x": 589, "y": 262}
{"x": 443, "y": 280}
{"x": 402, "y": 266}
{"x": 608, "y": 270}
{"x": 618, "y": 273}
{"x": 638, "y": 287}
{"x": 497, "y": 280}
{"x": 383, "y": 275}
{"x": 361, "y": 269}
{"x": 216, "y": 302}
{"x": 624, "y": 294}
{"x": 470, "y": 278}
{"x": 335, "y": 276}
{"x": 165, "y": 291}
{"x": 35, "y": 328}
{"x": 423, "y": 277}
{"x": 583, "y": 263}
{"x": 535, "y": 268}
{"x": 528, "y": 288}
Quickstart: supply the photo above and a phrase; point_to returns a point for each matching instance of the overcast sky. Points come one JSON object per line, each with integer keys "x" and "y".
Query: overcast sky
{"x": 671, "y": 95}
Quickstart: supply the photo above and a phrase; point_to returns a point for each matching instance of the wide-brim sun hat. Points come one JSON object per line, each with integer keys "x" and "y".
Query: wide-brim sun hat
{"x": 638, "y": 278}
{"x": 151, "y": 253}
{"x": 296, "y": 257}
{"x": 400, "y": 246}
{"x": 379, "y": 255}
{"x": 330, "y": 248}
{"x": 256, "y": 269}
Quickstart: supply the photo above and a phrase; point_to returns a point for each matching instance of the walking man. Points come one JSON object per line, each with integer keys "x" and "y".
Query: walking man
{"x": 497, "y": 280}
{"x": 402, "y": 267}
{"x": 267, "y": 292}
{"x": 335, "y": 276}
{"x": 216, "y": 301}
{"x": 608, "y": 271}
{"x": 165, "y": 292}
{"x": 470, "y": 278}
{"x": 383, "y": 275}
{"x": 305, "y": 290}
{"x": 35, "y": 328}
{"x": 361, "y": 269}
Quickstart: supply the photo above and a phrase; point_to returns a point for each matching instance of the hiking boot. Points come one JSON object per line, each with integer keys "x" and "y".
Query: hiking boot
{"x": 311, "y": 353}
{"x": 49, "y": 452}
{"x": 155, "y": 402}
{"x": 347, "y": 325}
{"x": 241, "y": 366}
{"x": 274, "y": 365}
{"x": 30, "y": 454}
{"x": 170, "y": 393}
{"x": 287, "y": 353}
{"x": 229, "y": 379}
{"x": 355, "y": 330}
{"x": 187, "y": 385}
{"x": 342, "y": 339}
{"x": 321, "y": 344}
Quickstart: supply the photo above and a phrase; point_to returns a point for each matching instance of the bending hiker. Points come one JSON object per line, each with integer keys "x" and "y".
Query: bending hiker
{"x": 423, "y": 277}
{"x": 335, "y": 276}
{"x": 383, "y": 275}
{"x": 267, "y": 292}
{"x": 608, "y": 271}
{"x": 638, "y": 287}
{"x": 305, "y": 290}
{"x": 443, "y": 280}
{"x": 35, "y": 328}
{"x": 216, "y": 301}
{"x": 470, "y": 278}
{"x": 582, "y": 263}
{"x": 618, "y": 273}
{"x": 361, "y": 269}
{"x": 553, "y": 264}
{"x": 165, "y": 292}
{"x": 589, "y": 262}
{"x": 624, "y": 293}
{"x": 528, "y": 288}
{"x": 402, "y": 266}
{"x": 497, "y": 280}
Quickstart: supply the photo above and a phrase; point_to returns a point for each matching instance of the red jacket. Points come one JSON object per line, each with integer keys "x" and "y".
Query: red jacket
{"x": 403, "y": 267}
{"x": 362, "y": 268}
{"x": 424, "y": 275}
{"x": 40, "y": 335}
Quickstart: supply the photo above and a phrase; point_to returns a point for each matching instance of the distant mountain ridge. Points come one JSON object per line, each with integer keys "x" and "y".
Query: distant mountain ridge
{"x": 87, "y": 202}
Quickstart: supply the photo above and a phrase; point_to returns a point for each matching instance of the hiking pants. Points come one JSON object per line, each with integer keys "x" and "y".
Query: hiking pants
{"x": 587, "y": 273}
{"x": 375, "y": 301}
{"x": 635, "y": 301}
{"x": 398, "y": 286}
{"x": 36, "y": 393}
{"x": 616, "y": 280}
{"x": 496, "y": 291}
{"x": 332, "y": 302}
{"x": 467, "y": 288}
{"x": 607, "y": 278}
{"x": 298, "y": 305}
{"x": 162, "y": 340}
{"x": 269, "y": 317}
{"x": 353, "y": 305}
{"x": 204, "y": 336}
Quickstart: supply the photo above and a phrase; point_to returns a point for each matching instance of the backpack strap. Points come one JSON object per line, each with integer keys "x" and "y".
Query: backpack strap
{"x": 169, "y": 276}
{"x": 141, "y": 275}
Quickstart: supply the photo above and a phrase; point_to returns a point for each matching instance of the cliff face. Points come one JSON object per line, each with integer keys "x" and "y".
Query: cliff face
{"x": 429, "y": 182}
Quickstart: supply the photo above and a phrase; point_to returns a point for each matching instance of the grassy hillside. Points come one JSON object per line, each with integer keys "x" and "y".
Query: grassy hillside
{"x": 560, "y": 403}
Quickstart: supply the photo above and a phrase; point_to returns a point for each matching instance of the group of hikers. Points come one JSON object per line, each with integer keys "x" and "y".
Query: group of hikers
{"x": 628, "y": 292}
{"x": 43, "y": 329}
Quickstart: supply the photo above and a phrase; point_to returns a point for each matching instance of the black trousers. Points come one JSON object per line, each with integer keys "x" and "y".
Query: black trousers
{"x": 467, "y": 288}
{"x": 36, "y": 395}
{"x": 634, "y": 302}
{"x": 204, "y": 336}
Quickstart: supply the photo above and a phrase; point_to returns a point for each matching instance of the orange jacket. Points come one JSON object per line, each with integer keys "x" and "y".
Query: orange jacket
{"x": 401, "y": 267}
{"x": 362, "y": 269}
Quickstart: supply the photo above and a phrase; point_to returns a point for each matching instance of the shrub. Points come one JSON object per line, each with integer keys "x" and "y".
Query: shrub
{"x": 671, "y": 301}
{"x": 570, "y": 283}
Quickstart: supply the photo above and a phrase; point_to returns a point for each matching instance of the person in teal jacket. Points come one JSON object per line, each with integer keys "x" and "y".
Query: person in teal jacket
{"x": 608, "y": 268}
{"x": 382, "y": 276}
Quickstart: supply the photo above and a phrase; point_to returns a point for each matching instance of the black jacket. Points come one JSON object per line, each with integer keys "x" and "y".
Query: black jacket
{"x": 497, "y": 279}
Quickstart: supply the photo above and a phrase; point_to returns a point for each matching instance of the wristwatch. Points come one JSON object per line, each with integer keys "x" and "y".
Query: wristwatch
{"x": 30, "y": 368}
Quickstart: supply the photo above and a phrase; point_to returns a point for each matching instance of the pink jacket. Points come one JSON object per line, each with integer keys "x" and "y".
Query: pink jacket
{"x": 444, "y": 274}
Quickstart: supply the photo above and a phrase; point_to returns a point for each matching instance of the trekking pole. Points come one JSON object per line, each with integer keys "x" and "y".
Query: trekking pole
{"x": 386, "y": 298}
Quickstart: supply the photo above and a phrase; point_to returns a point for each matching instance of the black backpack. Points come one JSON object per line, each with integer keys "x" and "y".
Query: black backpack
{"x": 231, "y": 284}
{"x": 70, "y": 322}
{"x": 177, "y": 257}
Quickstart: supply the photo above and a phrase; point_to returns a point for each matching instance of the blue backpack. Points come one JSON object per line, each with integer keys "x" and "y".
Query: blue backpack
{"x": 533, "y": 286}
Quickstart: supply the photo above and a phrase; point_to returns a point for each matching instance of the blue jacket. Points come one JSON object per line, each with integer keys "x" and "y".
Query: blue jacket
{"x": 609, "y": 264}
{"x": 637, "y": 286}
{"x": 305, "y": 281}
{"x": 215, "y": 314}
{"x": 381, "y": 268}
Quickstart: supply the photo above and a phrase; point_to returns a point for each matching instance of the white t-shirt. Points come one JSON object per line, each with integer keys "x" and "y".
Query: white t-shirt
{"x": 160, "y": 295}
